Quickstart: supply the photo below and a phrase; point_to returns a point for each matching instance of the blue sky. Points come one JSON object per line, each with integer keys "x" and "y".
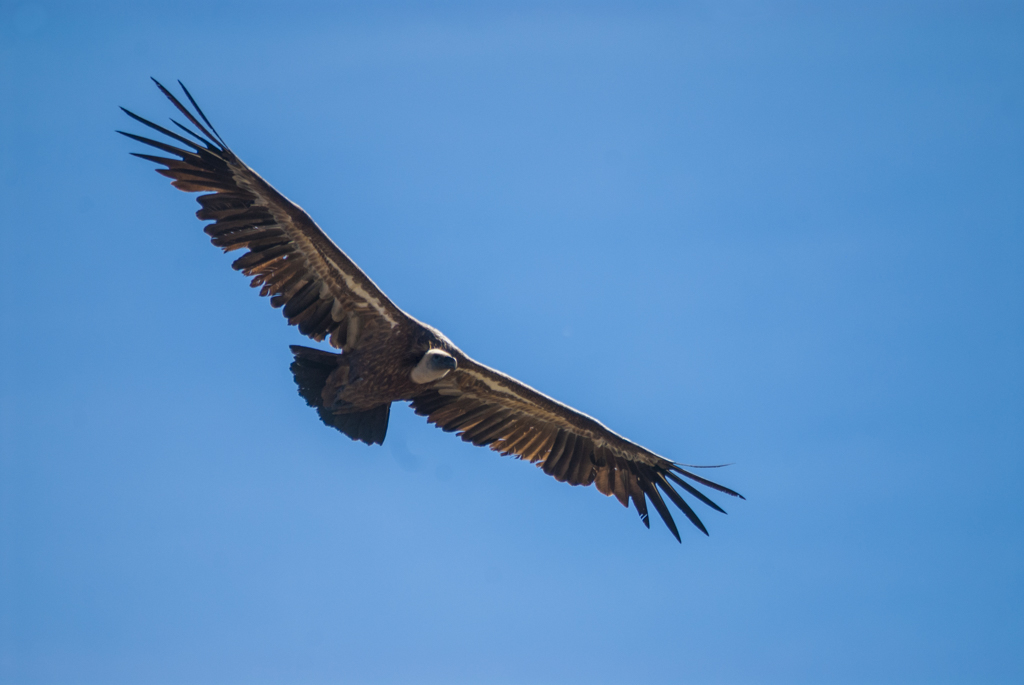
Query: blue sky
{"x": 785, "y": 236}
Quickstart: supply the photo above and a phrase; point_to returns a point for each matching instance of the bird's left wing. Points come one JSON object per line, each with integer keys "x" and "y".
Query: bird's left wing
{"x": 488, "y": 408}
{"x": 289, "y": 257}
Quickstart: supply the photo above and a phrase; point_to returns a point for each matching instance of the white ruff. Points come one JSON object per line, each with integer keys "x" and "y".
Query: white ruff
{"x": 424, "y": 373}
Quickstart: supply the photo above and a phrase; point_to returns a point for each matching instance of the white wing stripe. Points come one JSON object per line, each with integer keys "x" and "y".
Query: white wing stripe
{"x": 350, "y": 282}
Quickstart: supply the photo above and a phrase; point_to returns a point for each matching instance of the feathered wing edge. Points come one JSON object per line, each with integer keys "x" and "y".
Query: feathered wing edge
{"x": 567, "y": 445}
{"x": 289, "y": 257}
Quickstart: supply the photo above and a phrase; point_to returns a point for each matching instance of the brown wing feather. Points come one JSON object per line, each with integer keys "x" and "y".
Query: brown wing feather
{"x": 288, "y": 256}
{"x": 488, "y": 408}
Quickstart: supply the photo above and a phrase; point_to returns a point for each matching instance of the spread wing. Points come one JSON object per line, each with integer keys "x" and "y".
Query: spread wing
{"x": 288, "y": 256}
{"x": 488, "y": 408}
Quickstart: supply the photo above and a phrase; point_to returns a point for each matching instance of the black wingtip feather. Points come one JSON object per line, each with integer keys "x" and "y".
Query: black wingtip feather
{"x": 659, "y": 505}
{"x": 209, "y": 145}
{"x": 704, "y": 481}
{"x": 678, "y": 500}
{"x": 188, "y": 115}
{"x": 184, "y": 154}
{"x": 166, "y": 132}
{"x": 641, "y": 506}
{"x": 199, "y": 109}
{"x": 694, "y": 491}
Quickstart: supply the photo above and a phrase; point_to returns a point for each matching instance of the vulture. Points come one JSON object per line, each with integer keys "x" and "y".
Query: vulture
{"x": 385, "y": 355}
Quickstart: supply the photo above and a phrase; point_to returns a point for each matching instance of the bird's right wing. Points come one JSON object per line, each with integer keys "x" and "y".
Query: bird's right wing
{"x": 488, "y": 408}
{"x": 289, "y": 257}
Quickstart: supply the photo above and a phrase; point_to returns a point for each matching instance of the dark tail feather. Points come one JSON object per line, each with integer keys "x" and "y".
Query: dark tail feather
{"x": 311, "y": 369}
{"x": 369, "y": 426}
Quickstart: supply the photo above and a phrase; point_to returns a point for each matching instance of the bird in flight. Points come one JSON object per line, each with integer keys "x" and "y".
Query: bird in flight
{"x": 385, "y": 354}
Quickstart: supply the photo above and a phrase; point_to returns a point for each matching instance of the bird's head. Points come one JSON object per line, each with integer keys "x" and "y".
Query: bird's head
{"x": 434, "y": 365}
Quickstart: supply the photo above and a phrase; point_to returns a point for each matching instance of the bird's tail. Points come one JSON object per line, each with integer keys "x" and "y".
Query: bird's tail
{"x": 311, "y": 369}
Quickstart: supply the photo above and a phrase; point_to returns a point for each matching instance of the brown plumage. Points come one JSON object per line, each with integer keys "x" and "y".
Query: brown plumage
{"x": 388, "y": 356}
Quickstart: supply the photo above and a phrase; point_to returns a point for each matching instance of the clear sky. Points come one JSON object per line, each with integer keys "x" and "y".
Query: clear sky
{"x": 785, "y": 236}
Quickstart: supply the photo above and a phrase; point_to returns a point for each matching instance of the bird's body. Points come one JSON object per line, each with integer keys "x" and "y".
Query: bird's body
{"x": 368, "y": 376}
{"x": 386, "y": 355}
